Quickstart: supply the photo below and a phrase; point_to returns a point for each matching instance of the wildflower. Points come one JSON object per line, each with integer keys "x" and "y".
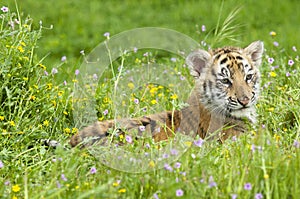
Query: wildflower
{"x": 203, "y": 28}
{"x": 82, "y": 52}
{"x": 288, "y": 74}
{"x": 142, "y": 128}
{"x": 174, "y": 152}
{"x": 173, "y": 59}
{"x": 233, "y": 196}
{"x": 179, "y": 192}
{"x": 294, "y": 48}
{"x": 58, "y": 185}
{"x": 105, "y": 112}
{"x": 12, "y": 123}
{"x": 168, "y": 167}
{"x": 174, "y": 97}
{"x": 115, "y": 184}
{"x": 155, "y": 196}
{"x": 21, "y": 49}
{"x": 199, "y": 142}
{"x": 165, "y": 155}
{"x": 63, "y": 58}
{"x": 146, "y": 54}
{"x": 65, "y": 82}
{"x": 25, "y": 78}
{"x": 290, "y": 62}
{"x": 16, "y": 188}
{"x": 46, "y": 123}
{"x": 128, "y": 138}
{"x": 107, "y": 34}
{"x": 177, "y": 165}
{"x": 1, "y": 118}
{"x": 122, "y": 191}
{"x": 93, "y": 170}
{"x": 4, "y": 9}
{"x": 266, "y": 176}
{"x": 74, "y": 130}
{"x": 130, "y": 85}
{"x": 271, "y": 60}
{"x": 95, "y": 77}
{"x": 153, "y": 102}
{"x": 136, "y": 101}
{"x": 275, "y": 43}
{"x": 46, "y": 73}
{"x": 152, "y": 164}
{"x": 54, "y": 71}
{"x": 7, "y": 183}
{"x": 258, "y": 196}
{"x": 212, "y": 183}
{"x": 272, "y": 74}
{"x": 76, "y": 72}
{"x": 1, "y": 164}
{"x": 248, "y": 186}
{"x": 63, "y": 177}
{"x": 296, "y": 144}
{"x": 273, "y": 34}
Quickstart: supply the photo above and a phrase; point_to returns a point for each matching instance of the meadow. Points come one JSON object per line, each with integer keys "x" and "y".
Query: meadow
{"x": 43, "y": 45}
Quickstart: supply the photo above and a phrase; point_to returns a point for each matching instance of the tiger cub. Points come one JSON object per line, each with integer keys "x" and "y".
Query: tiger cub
{"x": 221, "y": 103}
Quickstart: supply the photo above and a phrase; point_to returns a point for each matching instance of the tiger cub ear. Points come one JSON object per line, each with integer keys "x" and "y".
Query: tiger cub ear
{"x": 255, "y": 51}
{"x": 196, "y": 61}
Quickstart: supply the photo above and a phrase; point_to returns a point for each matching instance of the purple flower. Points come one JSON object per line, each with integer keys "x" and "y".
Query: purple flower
{"x": 173, "y": 59}
{"x": 288, "y": 74}
{"x": 296, "y": 144}
{"x": 63, "y": 177}
{"x": 155, "y": 196}
{"x": 58, "y": 185}
{"x": 142, "y": 128}
{"x": 95, "y": 76}
{"x": 136, "y": 101}
{"x": 76, "y": 72}
{"x": 4, "y": 9}
{"x": 199, "y": 142}
{"x": 107, "y": 34}
{"x": 203, "y": 28}
{"x": 248, "y": 186}
{"x": 179, "y": 192}
{"x": 275, "y": 43}
{"x": 146, "y": 54}
{"x": 258, "y": 196}
{"x": 147, "y": 145}
{"x": 182, "y": 78}
{"x": 93, "y": 170}
{"x": 233, "y": 196}
{"x": 212, "y": 183}
{"x": 1, "y": 164}
{"x": 290, "y": 62}
{"x": 54, "y": 71}
{"x": 65, "y": 82}
{"x": 168, "y": 167}
{"x": 128, "y": 138}
{"x": 63, "y": 58}
{"x": 174, "y": 152}
{"x": 7, "y": 183}
{"x": 263, "y": 126}
{"x": 46, "y": 73}
{"x": 105, "y": 112}
{"x": 271, "y": 60}
{"x": 177, "y": 165}
{"x": 294, "y": 48}
{"x": 135, "y": 49}
{"x": 165, "y": 155}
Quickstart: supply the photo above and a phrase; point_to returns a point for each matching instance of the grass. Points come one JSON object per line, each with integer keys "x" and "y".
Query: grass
{"x": 36, "y": 103}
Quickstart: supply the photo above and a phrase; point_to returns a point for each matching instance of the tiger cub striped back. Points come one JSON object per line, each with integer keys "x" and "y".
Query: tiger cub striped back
{"x": 225, "y": 93}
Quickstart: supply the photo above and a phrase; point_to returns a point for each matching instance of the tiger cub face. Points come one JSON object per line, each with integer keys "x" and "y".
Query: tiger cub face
{"x": 227, "y": 79}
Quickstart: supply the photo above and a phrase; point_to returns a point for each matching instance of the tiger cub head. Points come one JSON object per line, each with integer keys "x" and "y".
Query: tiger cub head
{"x": 227, "y": 79}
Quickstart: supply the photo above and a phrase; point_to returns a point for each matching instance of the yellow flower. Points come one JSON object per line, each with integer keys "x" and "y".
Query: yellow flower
{"x": 153, "y": 90}
{"x": 60, "y": 93}
{"x": 74, "y": 80}
{"x": 49, "y": 86}
{"x": 122, "y": 191}
{"x": 174, "y": 97}
{"x": 65, "y": 112}
{"x": 23, "y": 43}
{"x": 43, "y": 66}
{"x": 20, "y": 48}
{"x": 266, "y": 176}
{"x": 152, "y": 164}
{"x": 116, "y": 184}
{"x": 32, "y": 97}
{"x": 53, "y": 102}
{"x": 25, "y": 78}
{"x": 46, "y": 123}
{"x": 14, "y": 197}
{"x": 67, "y": 130}
{"x": 16, "y": 188}
{"x": 271, "y": 109}
{"x": 12, "y": 123}
{"x": 137, "y": 61}
{"x": 130, "y": 85}
{"x": 153, "y": 101}
{"x": 74, "y": 130}
{"x": 188, "y": 143}
{"x": 273, "y": 74}
{"x": 273, "y": 34}
{"x": 1, "y": 118}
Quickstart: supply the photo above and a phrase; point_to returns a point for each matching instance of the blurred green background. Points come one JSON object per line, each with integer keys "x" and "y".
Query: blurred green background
{"x": 80, "y": 25}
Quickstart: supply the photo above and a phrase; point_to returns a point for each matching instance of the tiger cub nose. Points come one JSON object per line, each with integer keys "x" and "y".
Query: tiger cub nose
{"x": 244, "y": 100}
